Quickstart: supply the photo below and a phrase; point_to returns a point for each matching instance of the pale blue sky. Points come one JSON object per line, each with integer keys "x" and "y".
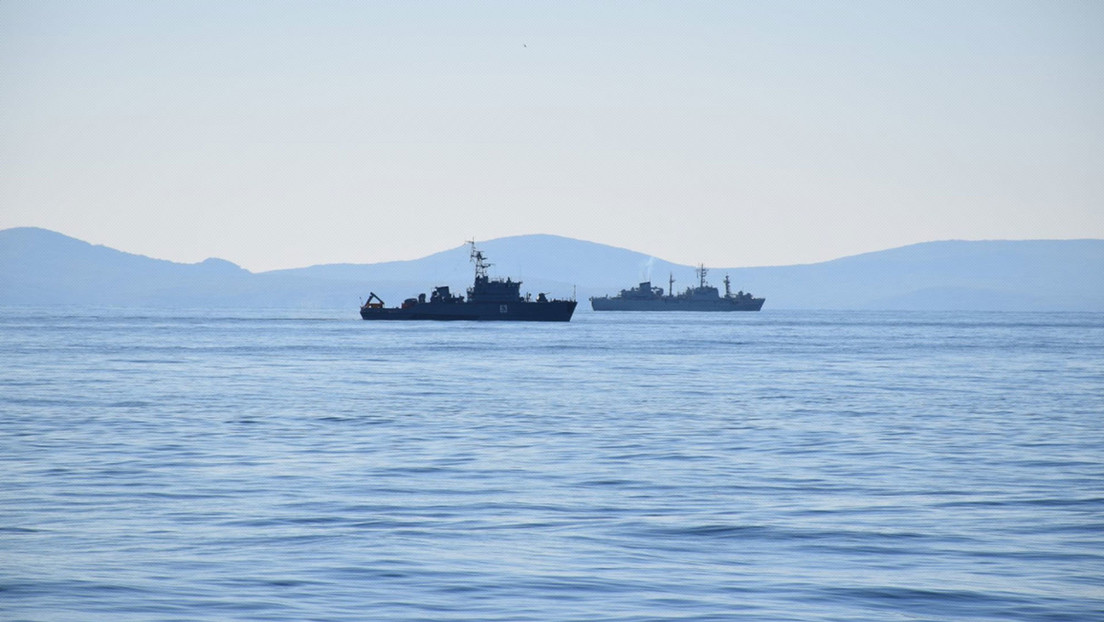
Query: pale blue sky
{"x": 283, "y": 134}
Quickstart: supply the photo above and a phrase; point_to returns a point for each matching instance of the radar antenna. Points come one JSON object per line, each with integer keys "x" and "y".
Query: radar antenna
{"x": 479, "y": 260}
{"x": 702, "y": 271}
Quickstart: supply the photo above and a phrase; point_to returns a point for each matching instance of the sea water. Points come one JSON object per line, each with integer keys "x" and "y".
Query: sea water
{"x": 782, "y": 465}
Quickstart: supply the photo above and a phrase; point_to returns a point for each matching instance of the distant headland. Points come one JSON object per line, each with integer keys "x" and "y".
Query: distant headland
{"x": 42, "y": 267}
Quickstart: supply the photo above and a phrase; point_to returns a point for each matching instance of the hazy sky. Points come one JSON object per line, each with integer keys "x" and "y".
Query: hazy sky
{"x": 283, "y": 134}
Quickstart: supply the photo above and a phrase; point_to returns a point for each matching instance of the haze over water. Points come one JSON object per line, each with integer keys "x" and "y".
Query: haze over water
{"x": 774, "y": 466}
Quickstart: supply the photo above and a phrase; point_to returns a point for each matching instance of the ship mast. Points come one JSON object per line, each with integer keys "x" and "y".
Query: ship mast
{"x": 728, "y": 289}
{"x": 670, "y": 283}
{"x": 479, "y": 260}
{"x": 701, "y": 274}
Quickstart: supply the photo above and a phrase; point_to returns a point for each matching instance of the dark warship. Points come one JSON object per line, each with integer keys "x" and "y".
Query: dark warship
{"x": 488, "y": 299}
{"x": 704, "y": 297}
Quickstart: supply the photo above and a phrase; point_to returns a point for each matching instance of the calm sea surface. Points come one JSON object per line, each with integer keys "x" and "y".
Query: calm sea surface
{"x": 771, "y": 466}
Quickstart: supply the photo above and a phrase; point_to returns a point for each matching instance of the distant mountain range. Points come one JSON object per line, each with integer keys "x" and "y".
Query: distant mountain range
{"x": 42, "y": 267}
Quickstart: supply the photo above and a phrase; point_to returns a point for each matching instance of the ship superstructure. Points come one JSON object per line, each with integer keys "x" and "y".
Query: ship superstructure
{"x": 704, "y": 297}
{"x": 487, "y": 299}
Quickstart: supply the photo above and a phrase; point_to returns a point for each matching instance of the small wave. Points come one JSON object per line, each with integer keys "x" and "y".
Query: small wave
{"x": 18, "y": 530}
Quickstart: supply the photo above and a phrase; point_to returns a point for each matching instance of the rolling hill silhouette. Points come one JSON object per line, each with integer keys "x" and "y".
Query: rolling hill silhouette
{"x": 42, "y": 267}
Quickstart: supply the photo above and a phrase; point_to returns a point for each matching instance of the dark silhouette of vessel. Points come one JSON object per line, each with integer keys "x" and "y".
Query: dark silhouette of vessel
{"x": 704, "y": 297}
{"x": 488, "y": 300}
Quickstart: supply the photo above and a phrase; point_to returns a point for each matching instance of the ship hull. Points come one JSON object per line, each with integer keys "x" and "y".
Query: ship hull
{"x": 675, "y": 304}
{"x": 551, "y": 311}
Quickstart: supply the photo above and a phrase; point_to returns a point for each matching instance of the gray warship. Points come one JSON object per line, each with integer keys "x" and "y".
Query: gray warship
{"x": 488, "y": 299}
{"x": 704, "y": 297}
